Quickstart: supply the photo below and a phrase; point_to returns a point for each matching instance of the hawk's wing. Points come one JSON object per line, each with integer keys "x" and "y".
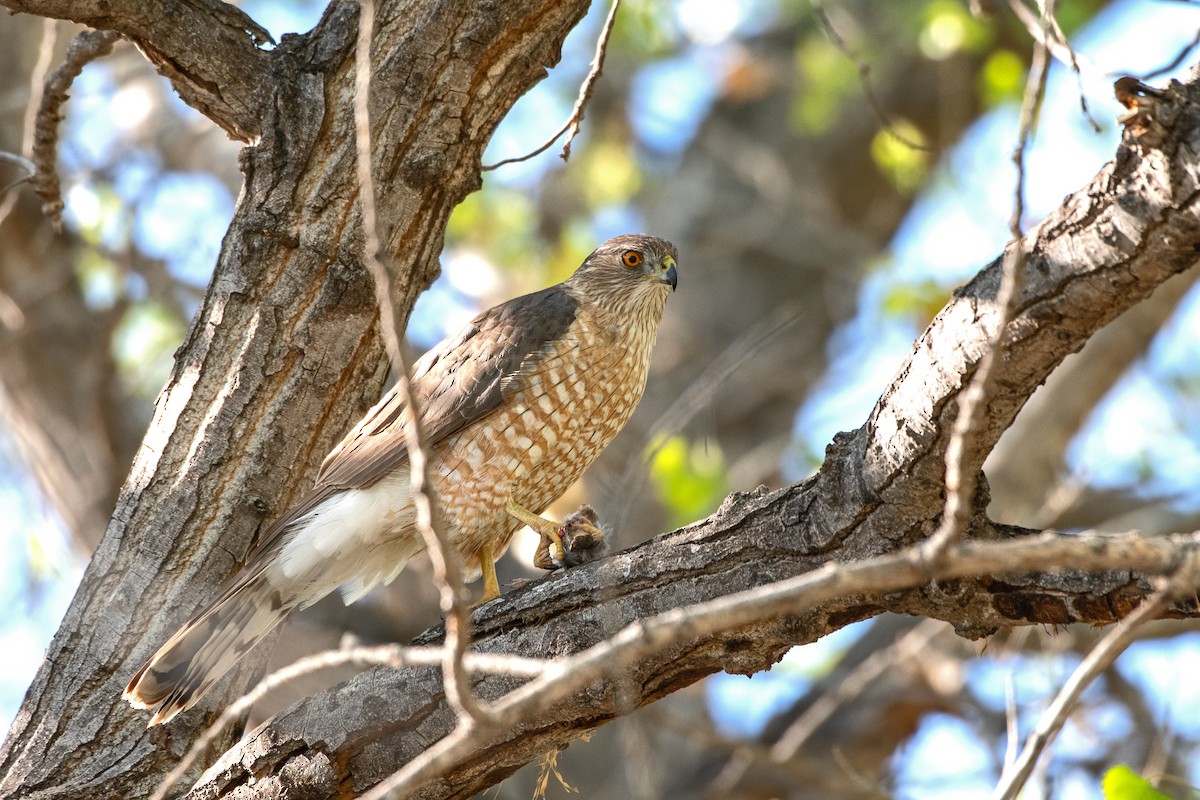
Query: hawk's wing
{"x": 458, "y": 383}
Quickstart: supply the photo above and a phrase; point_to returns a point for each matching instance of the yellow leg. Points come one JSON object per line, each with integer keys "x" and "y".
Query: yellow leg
{"x": 540, "y": 524}
{"x": 491, "y": 586}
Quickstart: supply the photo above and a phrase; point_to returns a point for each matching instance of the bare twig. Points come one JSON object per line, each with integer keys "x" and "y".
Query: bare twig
{"x": 1093, "y": 665}
{"x": 802, "y": 728}
{"x": 907, "y": 647}
{"x": 11, "y": 315}
{"x": 571, "y": 126}
{"x": 697, "y": 396}
{"x": 37, "y": 83}
{"x": 798, "y": 595}
{"x": 447, "y": 572}
{"x": 24, "y": 164}
{"x": 1049, "y": 34}
{"x": 864, "y": 78}
{"x": 388, "y": 655}
{"x": 849, "y": 687}
{"x": 85, "y": 47}
{"x": 972, "y": 403}
{"x": 1175, "y": 62}
{"x": 366, "y": 181}
{"x": 1012, "y": 739}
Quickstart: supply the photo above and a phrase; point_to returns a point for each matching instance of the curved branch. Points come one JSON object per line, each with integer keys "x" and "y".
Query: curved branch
{"x": 208, "y": 49}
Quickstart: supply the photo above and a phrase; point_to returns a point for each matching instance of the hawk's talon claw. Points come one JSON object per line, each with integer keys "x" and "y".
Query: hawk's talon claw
{"x": 578, "y": 540}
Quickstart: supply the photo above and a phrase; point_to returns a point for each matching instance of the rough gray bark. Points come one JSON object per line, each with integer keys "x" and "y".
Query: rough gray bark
{"x": 284, "y": 354}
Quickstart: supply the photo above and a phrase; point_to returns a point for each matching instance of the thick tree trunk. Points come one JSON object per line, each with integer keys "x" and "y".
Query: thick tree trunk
{"x": 284, "y": 354}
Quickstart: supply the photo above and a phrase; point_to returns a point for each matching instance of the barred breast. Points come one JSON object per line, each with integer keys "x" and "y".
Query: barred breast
{"x": 572, "y": 404}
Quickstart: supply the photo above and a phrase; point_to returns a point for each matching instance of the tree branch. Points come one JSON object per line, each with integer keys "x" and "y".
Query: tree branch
{"x": 1107, "y": 247}
{"x": 208, "y": 49}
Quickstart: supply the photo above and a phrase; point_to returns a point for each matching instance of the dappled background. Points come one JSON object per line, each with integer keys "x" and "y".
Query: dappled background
{"x": 830, "y": 173}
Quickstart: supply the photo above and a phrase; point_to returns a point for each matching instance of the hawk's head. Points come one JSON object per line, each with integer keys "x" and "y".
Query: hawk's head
{"x": 632, "y": 269}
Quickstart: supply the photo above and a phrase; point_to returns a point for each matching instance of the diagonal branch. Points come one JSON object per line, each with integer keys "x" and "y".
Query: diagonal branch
{"x": 881, "y": 488}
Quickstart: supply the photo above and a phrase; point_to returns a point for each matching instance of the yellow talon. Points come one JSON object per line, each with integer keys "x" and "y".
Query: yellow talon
{"x": 541, "y": 525}
{"x": 576, "y": 541}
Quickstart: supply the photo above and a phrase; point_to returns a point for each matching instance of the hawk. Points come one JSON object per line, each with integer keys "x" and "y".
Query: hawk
{"x": 515, "y": 407}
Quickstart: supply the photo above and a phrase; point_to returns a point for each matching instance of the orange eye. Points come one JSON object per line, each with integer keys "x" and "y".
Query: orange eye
{"x": 632, "y": 259}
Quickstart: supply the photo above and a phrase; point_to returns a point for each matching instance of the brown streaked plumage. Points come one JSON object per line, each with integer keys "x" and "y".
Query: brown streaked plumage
{"x": 516, "y": 406}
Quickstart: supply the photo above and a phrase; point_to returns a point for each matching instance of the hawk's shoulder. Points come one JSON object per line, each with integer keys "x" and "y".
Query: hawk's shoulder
{"x": 458, "y": 383}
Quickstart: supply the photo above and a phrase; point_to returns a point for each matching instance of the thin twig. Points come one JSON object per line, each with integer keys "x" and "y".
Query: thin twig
{"x": 85, "y": 47}
{"x": 902, "y": 650}
{"x": 37, "y": 85}
{"x": 22, "y": 163}
{"x": 1012, "y": 739}
{"x": 1175, "y": 62}
{"x": 366, "y": 181}
{"x": 702, "y": 733}
{"x": 571, "y": 126}
{"x": 446, "y": 570}
{"x": 864, "y": 79}
{"x": 697, "y": 396}
{"x": 1049, "y": 34}
{"x": 396, "y": 656}
{"x": 794, "y": 596}
{"x": 848, "y": 687}
{"x": 972, "y": 404}
{"x": 1093, "y": 665}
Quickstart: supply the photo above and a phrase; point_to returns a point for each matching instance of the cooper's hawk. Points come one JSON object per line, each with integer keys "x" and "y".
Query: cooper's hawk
{"x": 515, "y": 407}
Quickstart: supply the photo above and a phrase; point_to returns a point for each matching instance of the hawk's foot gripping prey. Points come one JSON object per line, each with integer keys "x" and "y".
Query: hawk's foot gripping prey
{"x": 515, "y": 407}
{"x": 579, "y": 539}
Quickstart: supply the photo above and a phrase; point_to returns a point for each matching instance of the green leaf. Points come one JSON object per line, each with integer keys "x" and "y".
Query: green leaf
{"x": 1002, "y": 77}
{"x": 1122, "y": 783}
{"x": 894, "y": 153}
{"x": 689, "y": 478}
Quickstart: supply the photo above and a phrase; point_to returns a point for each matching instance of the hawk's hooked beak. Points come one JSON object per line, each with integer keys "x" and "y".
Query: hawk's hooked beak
{"x": 670, "y": 276}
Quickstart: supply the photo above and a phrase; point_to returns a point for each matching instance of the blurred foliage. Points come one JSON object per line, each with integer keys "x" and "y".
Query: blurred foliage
{"x": 899, "y": 154}
{"x": 144, "y": 344}
{"x": 1002, "y": 79}
{"x": 826, "y": 78}
{"x": 99, "y": 277}
{"x": 950, "y": 28}
{"x": 688, "y": 477}
{"x": 499, "y": 219}
{"x": 608, "y": 173}
{"x": 645, "y": 29}
{"x": 917, "y": 301}
{"x": 1122, "y": 783}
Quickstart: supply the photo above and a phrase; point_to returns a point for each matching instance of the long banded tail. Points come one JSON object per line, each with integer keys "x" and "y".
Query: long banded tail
{"x": 207, "y": 647}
